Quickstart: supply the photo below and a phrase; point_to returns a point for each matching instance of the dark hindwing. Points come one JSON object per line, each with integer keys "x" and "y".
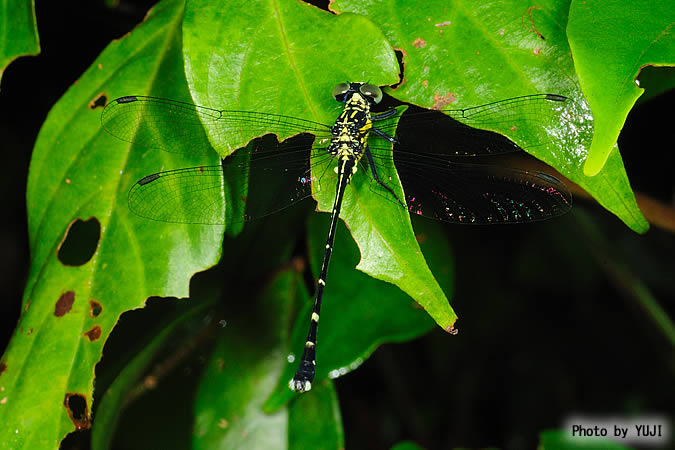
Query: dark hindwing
{"x": 439, "y": 183}
{"x": 480, "y": 194}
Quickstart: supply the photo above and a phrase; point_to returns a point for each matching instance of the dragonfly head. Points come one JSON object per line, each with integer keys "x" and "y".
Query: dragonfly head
{"x": 344, "y": 91}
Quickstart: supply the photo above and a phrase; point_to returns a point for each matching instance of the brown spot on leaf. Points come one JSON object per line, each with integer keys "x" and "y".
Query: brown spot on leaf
{"x": 3, "y": 367}
{"x": 95, "y": 308}
{"x": 441, "y": 101}
{"x": 99, "y": 101}
{"x": 3, "y": 401}
{"x": 94, "y": 333}
{"x": 64, "y": 303}
{"x": 76, "y": 405}
{"x": 419, "y": 43}
{"x": 30, "y": 331}
{"x": 425, "y": 83}
{"x": 416, "y": 305}
{"x": 25, "y": 309}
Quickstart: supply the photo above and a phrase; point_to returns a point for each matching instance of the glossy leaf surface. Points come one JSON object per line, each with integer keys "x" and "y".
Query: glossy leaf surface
{"x": 79, "y": 171}
{"x": 611, "y": 43}
{"x": 458, "y": 55}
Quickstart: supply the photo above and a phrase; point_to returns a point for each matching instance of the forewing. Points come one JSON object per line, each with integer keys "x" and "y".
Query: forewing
{"x": 528, "y": 121}
{"x": 178, "y": 127}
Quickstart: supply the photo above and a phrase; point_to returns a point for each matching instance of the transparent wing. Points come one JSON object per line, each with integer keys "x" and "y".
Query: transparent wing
{"x": 178, "y": 127}
{"x": 528, "y": 121}
{"x": 435, "y": 186}
{"x": 192, "y": 195}
{"x": 265, "y": 178}
{"x": 471, "y": 193}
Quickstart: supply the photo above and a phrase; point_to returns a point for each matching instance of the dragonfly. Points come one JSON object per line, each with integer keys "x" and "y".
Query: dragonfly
{"x": 360, "y": 143}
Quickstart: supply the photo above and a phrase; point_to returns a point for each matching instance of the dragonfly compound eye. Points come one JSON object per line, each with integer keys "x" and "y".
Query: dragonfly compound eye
{"x": 339, "y": 91}
{"x": 371, "y": 91}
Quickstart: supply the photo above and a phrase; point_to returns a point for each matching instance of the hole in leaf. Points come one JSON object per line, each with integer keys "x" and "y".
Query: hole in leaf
{"x": 99, "y": 101}
{"x": 76, "y": 405}
{"x": 80, "y": 242}
{"x": 95, "y": 308}
{"x": 94, "y": 333}
{"x": 64, "y": 303}
{"x": 400, "y": 54}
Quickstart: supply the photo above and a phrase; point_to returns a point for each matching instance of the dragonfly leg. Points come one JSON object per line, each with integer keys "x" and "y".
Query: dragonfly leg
{"x": 376, "y": 177}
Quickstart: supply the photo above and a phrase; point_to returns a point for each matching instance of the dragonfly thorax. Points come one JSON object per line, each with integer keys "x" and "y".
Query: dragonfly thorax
{"x": 351, "y": 129}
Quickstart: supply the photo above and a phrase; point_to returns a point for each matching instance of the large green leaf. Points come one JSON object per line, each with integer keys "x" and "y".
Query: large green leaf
{"x": 289, "y": 66}
{"x": 611, "y": 42}
{"x": 282, "y": 57}
{"x": 461, "y": 55}
{"x": 78, "y": 170}
{"x": 18, "y": 31}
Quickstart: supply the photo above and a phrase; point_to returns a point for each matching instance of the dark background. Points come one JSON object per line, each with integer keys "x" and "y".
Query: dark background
{"x": 549, "y": 325}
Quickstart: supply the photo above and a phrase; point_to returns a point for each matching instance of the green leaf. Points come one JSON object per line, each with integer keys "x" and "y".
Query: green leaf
{"x": 78, "y": 170}
{"x": 278, "y": 57}
{"x": 358, "y": 312}
{"x": 243, "y": 370}
{"x": 611, "y": 42}
{"x": 407, "y": 445}
{"x": 457, "y": 56}
{"x": 382, "y": 230}
{"x": 18, "y": 31}
{"x": 289, "y": 66}
{"x": 316, "y": 418}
